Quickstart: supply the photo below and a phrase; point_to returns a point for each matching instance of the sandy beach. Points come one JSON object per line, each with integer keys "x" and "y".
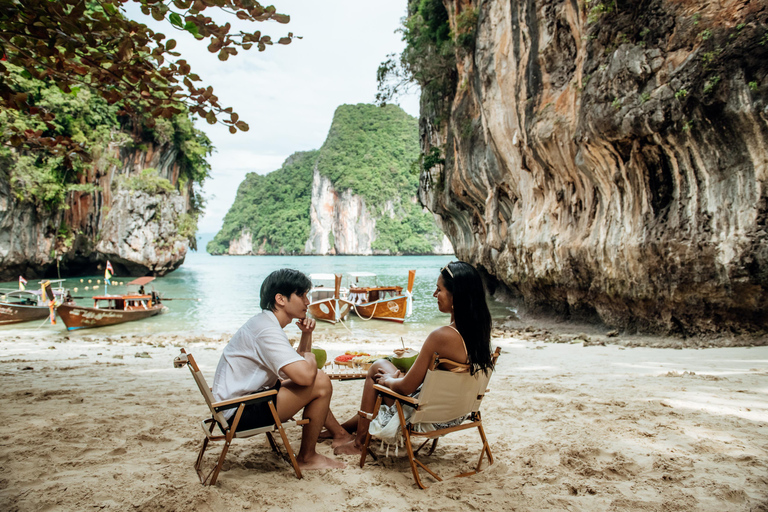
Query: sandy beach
{"x": 93, "y": 422}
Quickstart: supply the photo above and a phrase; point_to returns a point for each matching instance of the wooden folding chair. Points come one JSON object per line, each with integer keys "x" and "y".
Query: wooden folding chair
{"x": 226, "y": 428}
{"x": 445, "y": 396}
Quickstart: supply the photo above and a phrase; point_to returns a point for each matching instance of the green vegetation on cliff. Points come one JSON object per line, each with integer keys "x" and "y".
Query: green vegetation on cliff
{"x": 45, "y": 175}
{"x": 369, "y": 150}
{"x": 273, "y": 208}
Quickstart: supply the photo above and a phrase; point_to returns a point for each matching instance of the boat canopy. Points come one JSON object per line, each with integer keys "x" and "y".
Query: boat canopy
{"x": 141, "y": 281}
{"x": 322, "y": 277}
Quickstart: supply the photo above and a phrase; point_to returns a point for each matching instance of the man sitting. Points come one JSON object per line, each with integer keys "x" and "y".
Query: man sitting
{"x": 259, "y": 355}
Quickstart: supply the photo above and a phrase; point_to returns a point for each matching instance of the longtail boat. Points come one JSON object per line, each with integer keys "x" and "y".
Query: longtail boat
{"x": 380, "y": 302}
{"x": 26, "y": 305}
{"x": 325, "y": 302}
{"x": 113, "y": 309}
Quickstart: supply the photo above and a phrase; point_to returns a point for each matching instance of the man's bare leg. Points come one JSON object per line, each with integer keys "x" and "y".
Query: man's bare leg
{"x": 316, "y": 401}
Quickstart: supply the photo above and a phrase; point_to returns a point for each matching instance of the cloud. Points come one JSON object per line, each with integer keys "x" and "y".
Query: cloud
{"x": 288, "y": 93}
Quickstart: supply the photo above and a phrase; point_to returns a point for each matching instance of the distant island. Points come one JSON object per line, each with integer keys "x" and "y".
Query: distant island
{"x": 357, "y": 194}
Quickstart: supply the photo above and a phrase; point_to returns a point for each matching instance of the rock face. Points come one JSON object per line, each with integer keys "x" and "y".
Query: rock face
{"x": 339, "y": 223}
{"x": 137, "y": 232}
{"x": 610, "y": 159}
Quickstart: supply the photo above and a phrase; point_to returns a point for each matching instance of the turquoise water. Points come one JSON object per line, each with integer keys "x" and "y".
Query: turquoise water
{"x": 228, "y": 289}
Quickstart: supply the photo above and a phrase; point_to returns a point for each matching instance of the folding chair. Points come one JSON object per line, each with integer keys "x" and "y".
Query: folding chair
{"x": 228, "y": 428}
{"x": 445, "y": 396}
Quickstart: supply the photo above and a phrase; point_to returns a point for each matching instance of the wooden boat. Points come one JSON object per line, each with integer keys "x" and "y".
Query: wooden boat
{"x": 113, "y": 309}
{"x": 26, "y": 305}
{"x": 380, "y": 302}
{"x": 325, "y": 303}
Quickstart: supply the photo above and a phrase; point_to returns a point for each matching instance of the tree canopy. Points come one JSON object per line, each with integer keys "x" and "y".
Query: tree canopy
{"x": 92, "y": 43}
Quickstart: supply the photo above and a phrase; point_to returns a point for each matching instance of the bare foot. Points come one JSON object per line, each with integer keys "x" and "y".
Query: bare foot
{"x": 348, "y": 449}
{"x": 343, "y": 439}
{"x": 317, "y": 461}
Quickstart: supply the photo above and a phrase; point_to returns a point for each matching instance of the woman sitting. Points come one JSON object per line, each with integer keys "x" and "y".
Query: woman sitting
{"x": 467, "y": 339}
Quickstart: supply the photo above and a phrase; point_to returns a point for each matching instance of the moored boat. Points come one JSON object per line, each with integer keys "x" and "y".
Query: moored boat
{"x": 380, "y": 302}
{"x": 325, "y": 302}
{"x": 113, "y": 309}
{"x": 26, "y": 305}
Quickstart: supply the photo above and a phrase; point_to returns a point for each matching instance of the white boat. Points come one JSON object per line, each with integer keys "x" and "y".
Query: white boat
{"x": 326, "y": 298}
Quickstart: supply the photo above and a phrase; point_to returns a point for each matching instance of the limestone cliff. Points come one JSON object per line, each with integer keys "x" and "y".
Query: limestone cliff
{"x": 609, "y": 159}
{"x": 137, "y": 231}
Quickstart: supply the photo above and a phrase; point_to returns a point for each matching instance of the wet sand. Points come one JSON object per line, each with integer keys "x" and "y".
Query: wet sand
{"x": 94, "y": 422}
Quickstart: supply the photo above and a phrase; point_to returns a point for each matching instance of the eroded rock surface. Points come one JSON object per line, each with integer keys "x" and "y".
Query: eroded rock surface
{"x": 611, "y": 163}
{"x": 136, "y": 231}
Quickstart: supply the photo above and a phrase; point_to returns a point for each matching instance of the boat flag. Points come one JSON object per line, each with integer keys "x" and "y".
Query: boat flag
{"x": 108, "y": 273}
{"x": 22, "y": 282}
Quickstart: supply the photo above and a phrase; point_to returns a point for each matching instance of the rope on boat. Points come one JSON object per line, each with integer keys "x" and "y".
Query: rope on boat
{"x": 375, "y": 305}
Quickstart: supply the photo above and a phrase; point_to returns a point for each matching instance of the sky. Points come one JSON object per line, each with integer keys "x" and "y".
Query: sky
{"x": 288, "y": 93}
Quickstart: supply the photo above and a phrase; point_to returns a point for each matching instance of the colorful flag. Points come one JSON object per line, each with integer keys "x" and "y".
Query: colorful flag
{"x": 22, "y": 282}
{"x": 108, "y": 273}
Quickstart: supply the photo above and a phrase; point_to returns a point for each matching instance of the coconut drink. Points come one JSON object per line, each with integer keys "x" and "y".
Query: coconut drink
{"x": 404, "y": 358}
{"x": 321, "y": 356}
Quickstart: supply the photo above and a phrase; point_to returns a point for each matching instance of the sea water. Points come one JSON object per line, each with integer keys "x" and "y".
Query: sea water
{"x": 211, "y": 295}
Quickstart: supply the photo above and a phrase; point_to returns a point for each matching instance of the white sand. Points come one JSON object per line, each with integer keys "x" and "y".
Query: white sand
{"x": 91, "y": 426}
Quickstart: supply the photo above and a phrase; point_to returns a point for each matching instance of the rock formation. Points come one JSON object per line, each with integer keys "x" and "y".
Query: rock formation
{"x": 610, "y": 159}
{"x": 137, "y": 232}
{"x": 355, "y": 195}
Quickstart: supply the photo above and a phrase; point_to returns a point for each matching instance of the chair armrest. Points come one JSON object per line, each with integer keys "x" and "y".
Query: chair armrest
{"x": 247, "y": 399}
{"x": 397, "y": 396}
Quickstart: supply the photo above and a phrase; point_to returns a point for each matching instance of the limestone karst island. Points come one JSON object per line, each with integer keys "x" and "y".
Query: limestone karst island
{"x": 531, "y": 233}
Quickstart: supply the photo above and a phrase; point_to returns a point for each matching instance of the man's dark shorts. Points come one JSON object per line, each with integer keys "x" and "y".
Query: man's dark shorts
{"x": 257, "y": 415}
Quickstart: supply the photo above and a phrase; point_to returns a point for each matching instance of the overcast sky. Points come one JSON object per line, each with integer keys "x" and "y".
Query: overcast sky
{"x": 288, "y": 93}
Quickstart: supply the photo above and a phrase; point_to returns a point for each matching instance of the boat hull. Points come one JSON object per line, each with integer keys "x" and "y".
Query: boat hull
{"x": 329, "y": 310}
{"x": 392, "y": 309}
{"x": 13, "y": 313}
{"x": 78, "y": 317}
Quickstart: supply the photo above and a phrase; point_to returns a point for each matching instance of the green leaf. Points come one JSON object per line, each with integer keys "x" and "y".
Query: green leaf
{"x": 191, "y": 28}
{"x": 175, "y": 19}
{"x": 110, "y": 9}
{"x": 171, "y": 44}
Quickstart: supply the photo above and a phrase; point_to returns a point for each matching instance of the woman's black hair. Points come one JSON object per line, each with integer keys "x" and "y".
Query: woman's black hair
{"x": 285, "y": 282}
{"x": 470, "y": 311}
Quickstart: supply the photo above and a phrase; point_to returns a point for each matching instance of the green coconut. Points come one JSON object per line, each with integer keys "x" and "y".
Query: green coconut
{"x": 404, "y": 359}
{"x": 321, "y": 356}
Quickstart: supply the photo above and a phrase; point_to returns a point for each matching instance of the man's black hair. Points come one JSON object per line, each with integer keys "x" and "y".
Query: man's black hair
{"x": 285, "y": 282}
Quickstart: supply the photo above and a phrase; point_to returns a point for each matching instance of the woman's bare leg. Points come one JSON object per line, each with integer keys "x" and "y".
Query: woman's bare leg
{"x": 367, "y": 404}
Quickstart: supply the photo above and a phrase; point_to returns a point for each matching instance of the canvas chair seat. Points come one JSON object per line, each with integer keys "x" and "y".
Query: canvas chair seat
{"x": 228, "y": 429}
{"x": 446, "y": 395}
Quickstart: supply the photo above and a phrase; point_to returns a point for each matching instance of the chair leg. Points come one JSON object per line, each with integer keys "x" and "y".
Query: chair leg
{"x": 432, "y": 448}
{"x": 411, "y": 455}
{"x": 486, "y": 447}
{"x": 273, "y": 444}
{"x": 215, "y": 472}
{"x": 366, "y": 449}
{"x": 199, "y": 461}
{"x": 286, "y": 443}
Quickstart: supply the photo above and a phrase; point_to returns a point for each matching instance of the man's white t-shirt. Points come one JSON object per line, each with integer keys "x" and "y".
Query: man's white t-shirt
{"x": 253, "y": 359}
